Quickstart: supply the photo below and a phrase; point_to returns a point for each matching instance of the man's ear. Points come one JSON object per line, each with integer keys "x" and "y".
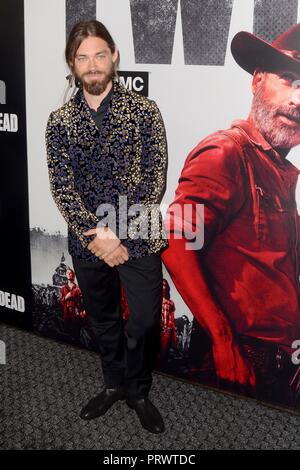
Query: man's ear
{"x": 258, "y": 77}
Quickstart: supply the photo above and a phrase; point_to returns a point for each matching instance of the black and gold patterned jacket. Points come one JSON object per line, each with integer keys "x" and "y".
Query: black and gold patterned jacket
{"x": 88, "y": 167}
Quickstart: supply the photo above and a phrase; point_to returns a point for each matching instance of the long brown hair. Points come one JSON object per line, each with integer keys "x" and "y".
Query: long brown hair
{"x": 83, "y": 30}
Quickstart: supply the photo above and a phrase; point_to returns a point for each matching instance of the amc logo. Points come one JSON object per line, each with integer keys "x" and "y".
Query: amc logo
{"x": 135, "y": 81}
{"x": 2, "y": 92}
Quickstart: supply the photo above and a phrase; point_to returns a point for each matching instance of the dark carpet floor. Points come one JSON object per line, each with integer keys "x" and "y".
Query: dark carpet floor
{"x": 44, "y": 384}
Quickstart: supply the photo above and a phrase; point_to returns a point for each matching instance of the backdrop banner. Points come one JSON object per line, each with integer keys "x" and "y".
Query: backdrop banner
{"x": 176, "y": 52}
{"x": 15, "y": 276}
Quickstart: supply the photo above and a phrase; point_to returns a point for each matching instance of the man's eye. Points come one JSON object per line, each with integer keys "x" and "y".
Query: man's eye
{"x": 288, "y": 77}
{"x": 291, "y": 79}
{"x": 296, "y": 83}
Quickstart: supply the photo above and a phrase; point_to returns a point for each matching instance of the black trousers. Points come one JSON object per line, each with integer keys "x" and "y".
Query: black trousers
{"x": 127, "y": 354}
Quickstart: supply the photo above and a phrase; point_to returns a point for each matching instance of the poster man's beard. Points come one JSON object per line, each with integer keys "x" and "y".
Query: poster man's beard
{"x": 277, "y": 134}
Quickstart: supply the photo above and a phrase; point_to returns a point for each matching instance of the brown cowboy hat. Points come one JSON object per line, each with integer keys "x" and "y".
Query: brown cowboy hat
{"x": 250, "y": 52}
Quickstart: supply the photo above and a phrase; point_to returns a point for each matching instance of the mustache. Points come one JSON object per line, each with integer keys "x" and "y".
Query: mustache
{"x": 93, "y": 72}
{"x": 291, "y": 113}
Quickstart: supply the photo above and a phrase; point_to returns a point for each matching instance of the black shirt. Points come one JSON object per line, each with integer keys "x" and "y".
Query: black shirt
{"x": 99, "y": 114}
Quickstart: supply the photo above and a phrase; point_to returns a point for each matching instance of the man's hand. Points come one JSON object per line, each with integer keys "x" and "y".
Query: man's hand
{"x": 119, "y": 256}
{"x": 104, "y": 243}
{"x": 230, "y": 364}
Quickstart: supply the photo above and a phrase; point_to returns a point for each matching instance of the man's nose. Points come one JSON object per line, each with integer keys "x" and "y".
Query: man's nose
{"x": 92, "y": 63}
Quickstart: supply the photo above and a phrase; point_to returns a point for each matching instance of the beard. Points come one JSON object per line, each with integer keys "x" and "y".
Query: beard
{"x": 277, "y": 133}
{"x": 98, "y": 86}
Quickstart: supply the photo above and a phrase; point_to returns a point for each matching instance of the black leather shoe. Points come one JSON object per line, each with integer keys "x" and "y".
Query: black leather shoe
{"x": 148, "y": 414}
{"x": 100, "y": 404}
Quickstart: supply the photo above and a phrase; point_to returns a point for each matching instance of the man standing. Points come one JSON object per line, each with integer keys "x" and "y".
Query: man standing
{"x": 243, "y": 285}
{"x": 107, "y": 152}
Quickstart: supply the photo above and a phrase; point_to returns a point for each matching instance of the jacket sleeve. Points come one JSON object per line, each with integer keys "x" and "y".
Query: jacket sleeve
{"x": 154, "y": 162}
{"x": 154, "y": 157}
{"x": 61, "y": 177}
